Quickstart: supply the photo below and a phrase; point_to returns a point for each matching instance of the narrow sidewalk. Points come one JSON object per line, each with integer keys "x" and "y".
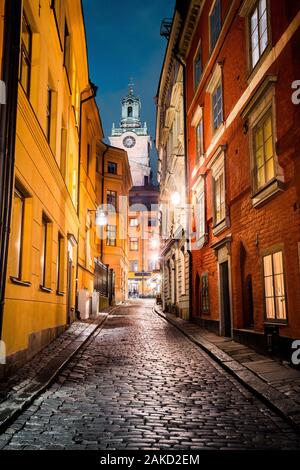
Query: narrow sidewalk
{"x": 19, "y": 391}
{"x": 276, "y": 383}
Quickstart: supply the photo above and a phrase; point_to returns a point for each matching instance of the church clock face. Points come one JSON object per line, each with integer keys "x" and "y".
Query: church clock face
{"x": 129, "y": 142}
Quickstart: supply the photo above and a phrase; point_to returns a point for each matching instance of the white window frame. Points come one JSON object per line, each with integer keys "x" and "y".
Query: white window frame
{"x": 198, "y": 50}
{"x": 212, "y": 47}
{"x": 275, "y": 319}
{"x": 216, "y": 81}
{"x": 260, "y": 104}
{"x": 217, "y": 167}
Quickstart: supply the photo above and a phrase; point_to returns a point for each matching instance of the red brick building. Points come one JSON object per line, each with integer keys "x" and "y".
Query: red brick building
{"x": 243, "y": 136}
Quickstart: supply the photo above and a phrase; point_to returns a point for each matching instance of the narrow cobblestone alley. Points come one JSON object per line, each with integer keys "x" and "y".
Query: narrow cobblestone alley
{"x": 140, "y": 384}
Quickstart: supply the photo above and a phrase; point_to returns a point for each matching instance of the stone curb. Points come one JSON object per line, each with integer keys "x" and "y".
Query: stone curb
{"x": 20, "y": 401}
{"x": 286, "y": 407}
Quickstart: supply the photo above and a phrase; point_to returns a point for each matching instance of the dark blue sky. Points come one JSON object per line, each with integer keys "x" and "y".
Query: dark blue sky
{"x": 124, "y": 41}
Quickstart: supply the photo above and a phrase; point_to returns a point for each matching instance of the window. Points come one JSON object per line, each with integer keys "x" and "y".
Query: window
{"x": 67, "y": 51}
{"x": 111, "y": 235}
{"x": 88, "y": 258}
{"x": 200, "y": 215}
{"x": 48, "y": 114}
{"x": 182, "y": 272}
{"x": 204, "y": 293}
{"x": 197, "y": 68}
{"x": 275, "y": 298}
{"x": 259, "y": 36}
{"x": 45, "y": 254}
{"x": 88, "y": 158}
{"x": 264, "y": 164}
{"x": 221, "y": 218}
{"x": 112, "y": 168}
{"x": 134, "y": 244}
{"x": 57, "y": 10}
{"x": 134, "y": 266}
{"x": 219, "y": 198}
{"x": 134, "y": 222}
{"x": 215, "y": 24}
{"x": 129, "y": 111}
{"x": 152, "y": 222}
{"x": 98, "y": 160}
{"x": 60, "y": 263}
{"x": 26, "y": 53}
{"x": 199, "y": 141}
{"x": 111, "y": 198}
{"x": 63, "y": 149}
{"x": 16, "y": 240}
{"x": 151, "y": 265}
{"x": 217, "y": 105}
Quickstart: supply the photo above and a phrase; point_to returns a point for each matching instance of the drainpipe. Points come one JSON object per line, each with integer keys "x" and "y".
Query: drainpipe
{"x": 10, "y": 76}
{"x": 94, "y": 89}
{"x": 187, "y": 185}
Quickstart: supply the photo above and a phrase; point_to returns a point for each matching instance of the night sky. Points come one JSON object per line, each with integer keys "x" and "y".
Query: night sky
{"x": 124, "y": 41}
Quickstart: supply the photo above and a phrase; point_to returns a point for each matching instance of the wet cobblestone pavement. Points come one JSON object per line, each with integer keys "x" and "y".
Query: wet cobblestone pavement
{"x": 140, "y": 384}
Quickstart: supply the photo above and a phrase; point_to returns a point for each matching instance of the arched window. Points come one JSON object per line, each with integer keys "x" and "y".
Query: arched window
{"x": 129, "y": 111}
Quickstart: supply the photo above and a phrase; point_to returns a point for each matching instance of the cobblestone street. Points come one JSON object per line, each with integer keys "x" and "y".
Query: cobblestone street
{"x": 140, "y": 384}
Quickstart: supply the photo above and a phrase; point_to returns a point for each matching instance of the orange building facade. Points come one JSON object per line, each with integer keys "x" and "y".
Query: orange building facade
{"x": 242, "y": 129}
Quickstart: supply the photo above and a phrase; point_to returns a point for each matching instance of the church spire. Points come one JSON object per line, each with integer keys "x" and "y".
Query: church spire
{"x": 130, "y": 86}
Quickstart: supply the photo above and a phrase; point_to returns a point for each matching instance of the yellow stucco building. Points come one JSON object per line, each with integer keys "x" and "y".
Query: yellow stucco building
{"x": 113, "y": 193}
{"x": 41, "y": 271}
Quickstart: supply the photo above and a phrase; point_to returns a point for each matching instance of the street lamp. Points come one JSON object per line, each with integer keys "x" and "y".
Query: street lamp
{"x": 154, "y": 243}
{"x": 101, "y": 218}
{"x": 175, "y": 198}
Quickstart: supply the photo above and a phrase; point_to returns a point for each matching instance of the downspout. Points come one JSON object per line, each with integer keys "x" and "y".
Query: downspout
{"x": 187, "y": 185}
{"x": 8, "y": 120}
{"x": 94, "y": 89}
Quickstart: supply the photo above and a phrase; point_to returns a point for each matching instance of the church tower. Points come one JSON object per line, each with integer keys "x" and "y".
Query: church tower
{"x": 134, "y": 138}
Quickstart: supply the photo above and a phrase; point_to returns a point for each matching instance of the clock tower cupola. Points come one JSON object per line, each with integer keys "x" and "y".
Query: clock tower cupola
{"x": 132, "y": 136}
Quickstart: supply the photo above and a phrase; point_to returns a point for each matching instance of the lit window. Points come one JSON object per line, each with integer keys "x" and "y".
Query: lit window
{"x": 259, "y": 36}
{"x": 133, "y": 222}
{"x": 134, "y": 266}
{"x": 199, "y": 141}
{"x": 60, "y": 263}
{"x": 200, "y": 215}
{"x": 217, "y": 105}
{"x": 275, "y": 298}
{"x": 26, "y": 53}
{"x": 215, "y": 24}
{"x": 111, "y": 235}
{"x": 111, "y": 198}
{"x": 45, "y": 253}
{"x": 17, "y": 234}
{"x": 264, "y": 152}
{"x": 219, "y": 198}
{"x": 134, "y": 244}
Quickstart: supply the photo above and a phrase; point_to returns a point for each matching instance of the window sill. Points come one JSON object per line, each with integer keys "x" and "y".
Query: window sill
{"x": 276, "y": 322}
{"x": 18, "y": 282}
{"x": 60, "y": 294}
{"x": 46, "y": 289}
{"x": 267, "y": 193}
{"x": 254, "y": 70}
{"x": 221, "y": 226}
